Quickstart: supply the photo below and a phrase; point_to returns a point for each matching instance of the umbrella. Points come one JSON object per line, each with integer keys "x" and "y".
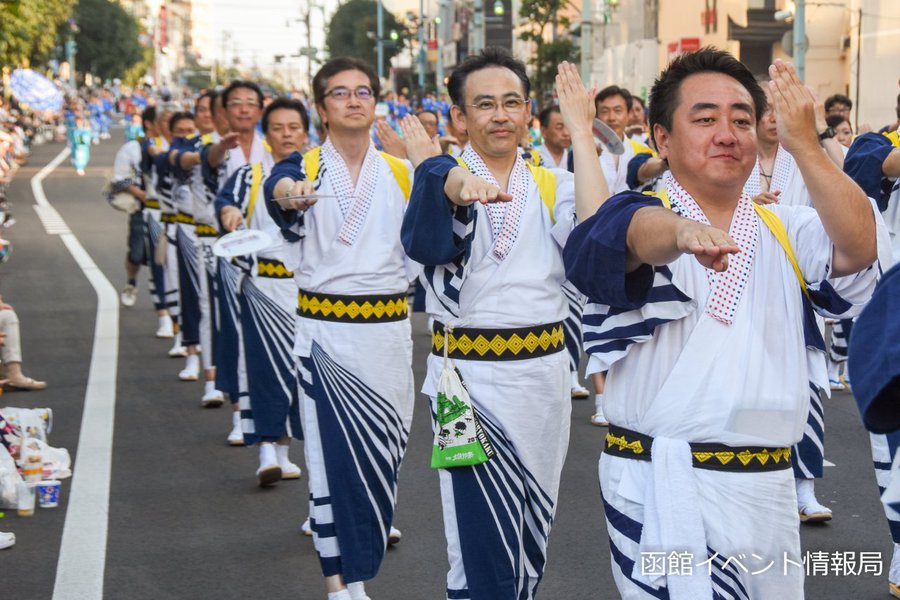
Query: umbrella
{"x": 35, "y": 90}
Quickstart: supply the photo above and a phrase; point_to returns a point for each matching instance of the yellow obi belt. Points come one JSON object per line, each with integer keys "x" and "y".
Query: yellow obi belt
{"x": 714, "y": 457}
{"x": 152, "y": 203}
{"x": 353, "y": 309}
{"x": 204, "y": 230}
{"x": 274, "y": 269}
{"x": 498, "y": 344}
{"x": 168, "y": 218}
{"x": 184, "y": 218}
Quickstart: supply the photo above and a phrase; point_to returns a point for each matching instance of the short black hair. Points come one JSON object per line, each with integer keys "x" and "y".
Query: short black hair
{"x": 614, "y": 90}
{"x": 837, "y": 99}
{"x": 492, "y": 56}
{"x": 241, "y": 84}
{"x": 544, "y": 115}
{"x": 339, "y": 65}
{"x": 179, "y": 116}
{"x": 285, "y": 103}
{"x": 430, "y": 112}
{"x": 211, "y": 94}
{"x": 665, "y": 95}
{"x": 148, "y": 116}
{"x": 835, "y": 120}
{"x": 639, "y": 100}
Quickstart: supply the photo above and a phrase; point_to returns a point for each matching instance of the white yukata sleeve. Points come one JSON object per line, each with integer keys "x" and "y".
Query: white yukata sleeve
{"x": 564, "y": 208}
{"x": 833, "y": 297}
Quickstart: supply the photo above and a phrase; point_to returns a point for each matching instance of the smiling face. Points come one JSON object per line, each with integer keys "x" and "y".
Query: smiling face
{"x": 352, "y": 113}
{"x": 614, "y": 112}
{"x": 712, "y": 143}
{"x": 493, "y": 133}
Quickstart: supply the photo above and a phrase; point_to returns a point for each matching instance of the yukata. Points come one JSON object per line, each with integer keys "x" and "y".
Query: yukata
{"x": 494, "y": 274}
{"x": 197, "y": 232}
{"x": 81, "y": 147}
{"x": 354, "y": 348}
{"x": 620, "y": 175}
{"x": 267, "y": 301}
{"x": 809, "y": 453}
{"x": 231, "y": 370}
{"x": 154, "y": 229}
{"x": 127, "y": 173}
{"x": 706, "y": 394}
{"x": 547, "y": 160}
{"x": 164, "y": 186}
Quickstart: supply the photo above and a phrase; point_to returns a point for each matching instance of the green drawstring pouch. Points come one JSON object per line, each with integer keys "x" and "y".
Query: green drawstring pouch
{"x": 459, "y": 438}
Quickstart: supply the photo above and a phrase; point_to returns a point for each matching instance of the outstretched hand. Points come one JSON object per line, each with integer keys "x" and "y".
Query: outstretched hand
{"x": 419, "y": 147}
{"x": 795, "y": 115}
{"x": 472, "y": 188}
{"x": 230, "y": 140}
{"x": 710, "y": 246}
{"x": 576, "y": 103}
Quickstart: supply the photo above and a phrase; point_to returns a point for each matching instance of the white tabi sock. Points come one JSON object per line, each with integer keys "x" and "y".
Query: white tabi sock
{"x": 598, "y": 404}
{"x": 357, "y": 590}
{"x": 165, "y": 321}
{"x": 834, "y": 370}
{"x": 235, "y": 418}
{"x": 806, "y": 491}
{"x": 282, "y": 453}
{"x": 267, "y": 455}
{"x": 341, "y": 595}
{"x": 209, "y": 387}
{"x": 192, "y": 363}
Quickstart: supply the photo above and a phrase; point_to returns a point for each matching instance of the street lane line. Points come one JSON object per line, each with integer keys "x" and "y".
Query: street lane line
{"x": 82, "y": 553}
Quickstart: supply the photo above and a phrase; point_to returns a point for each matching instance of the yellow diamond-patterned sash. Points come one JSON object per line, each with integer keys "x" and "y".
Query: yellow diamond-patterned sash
{"x": 275, "y": 269}
{"x": 498, "y": 344}
{"x": 152, "y": 203}
{"x": 168, "y": 218}
{"x": 714, "y": 457}
{"x": 204, "y": 230}
{"x": 183, "y": 217}
{"x": 352, "y": 309}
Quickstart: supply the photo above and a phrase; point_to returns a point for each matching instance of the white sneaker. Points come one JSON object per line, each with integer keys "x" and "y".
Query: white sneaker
{"x": 213, "y": 399}
{"x": 394, "y": 536}
{"x": 129, "y": 296}
{"x": 269, "y": 472}
{"x": 7, "y": 540}
{"x": 306, "y": 528}
{"x": 236, "y": 437}
{"x": 166, "y": 329}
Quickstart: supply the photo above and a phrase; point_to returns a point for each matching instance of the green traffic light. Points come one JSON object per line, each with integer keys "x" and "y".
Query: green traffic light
{"x": 394, "y": 35}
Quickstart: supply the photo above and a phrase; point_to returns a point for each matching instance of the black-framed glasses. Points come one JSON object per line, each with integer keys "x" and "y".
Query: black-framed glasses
{"x": 342, "y": 94}
{"x": 489, "y": 105}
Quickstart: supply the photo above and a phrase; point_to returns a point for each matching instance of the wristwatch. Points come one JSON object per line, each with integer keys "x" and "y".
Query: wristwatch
{"x": 827, "y": 134}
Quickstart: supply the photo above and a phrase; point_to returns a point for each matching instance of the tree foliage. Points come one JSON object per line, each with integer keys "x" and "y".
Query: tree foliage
{"x": 352, "y": 32}
{"x": 538, "y": 15}
{"x": 107, "y": 40}
{"x": 28, "y": 30}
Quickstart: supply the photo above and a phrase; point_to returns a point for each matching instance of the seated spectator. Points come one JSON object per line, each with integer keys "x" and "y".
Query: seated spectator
{"x": 11, "y": 353}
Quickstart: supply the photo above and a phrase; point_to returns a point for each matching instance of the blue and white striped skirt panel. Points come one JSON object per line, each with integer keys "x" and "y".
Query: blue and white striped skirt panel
{"x": 809, "y": 453}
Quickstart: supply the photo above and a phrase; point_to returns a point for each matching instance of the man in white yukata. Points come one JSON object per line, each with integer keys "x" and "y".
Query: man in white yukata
{"x": 705, "y": 335}
{"x": 554, "y": 151}
{"x": 489, "y": 229}
{"x": 268, "y": 299}
{"x": 243, "y": 144}
{"x": 353, "y": 339}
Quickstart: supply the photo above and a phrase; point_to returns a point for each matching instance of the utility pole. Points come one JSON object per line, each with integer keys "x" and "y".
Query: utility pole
{"x": 421, "y": 46}
{"x": 478, "y": 25}
{"x": 379, "y": 33}
{"x": 587, "y": 35}
{"x": 800, "y": 39}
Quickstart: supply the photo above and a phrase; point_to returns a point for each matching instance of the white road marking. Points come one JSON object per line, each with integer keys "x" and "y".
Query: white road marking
{"x": 82, "y": 553}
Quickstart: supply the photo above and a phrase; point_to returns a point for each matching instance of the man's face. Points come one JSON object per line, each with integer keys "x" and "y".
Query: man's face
{"x": 162, "y": 124}
{"x": 555, "y": 134}
{"x": 839, "y": 108}
{"x": 636, "y": 115}
{"x": 203, "y": 116}
{"x": 766, "y": 130}
{"x": 614, "y": 112}
{"x": 351, "y": 113}
{"x": 713, "y": 137}
{"x": 495, "y": 111}
{"x": 285, "y": 132}
{"x": 243, "y": 110}
{"x": 429, "y": 122}
{"x": 184, "y": 128}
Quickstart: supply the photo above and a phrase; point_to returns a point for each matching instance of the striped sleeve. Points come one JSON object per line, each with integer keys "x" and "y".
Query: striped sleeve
{"x": 234, "y": 192}
{"x": 623, "y": 308}
{"x": 290, "y": 222}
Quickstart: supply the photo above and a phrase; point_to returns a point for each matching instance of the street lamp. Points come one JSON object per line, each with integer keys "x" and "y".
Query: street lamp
{"x": 499, "y": 9}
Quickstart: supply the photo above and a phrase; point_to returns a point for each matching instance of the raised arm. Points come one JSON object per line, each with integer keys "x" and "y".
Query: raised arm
{"x": 576, "y": 105}
{"x": 842, "y": 206}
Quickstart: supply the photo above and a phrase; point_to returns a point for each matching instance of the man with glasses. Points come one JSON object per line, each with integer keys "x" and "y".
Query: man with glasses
{"x": 340, "y": 208}
{"x": 489, "y": 229}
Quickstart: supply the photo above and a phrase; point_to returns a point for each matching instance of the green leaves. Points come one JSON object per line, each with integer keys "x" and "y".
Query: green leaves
{"x": 27, "y": 35}
{"x": 107, "y": 39}
{"x": 352, "y": 32}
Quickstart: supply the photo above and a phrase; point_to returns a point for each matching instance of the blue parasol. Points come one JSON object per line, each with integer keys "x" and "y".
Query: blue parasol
{"x": 35, "y": 90}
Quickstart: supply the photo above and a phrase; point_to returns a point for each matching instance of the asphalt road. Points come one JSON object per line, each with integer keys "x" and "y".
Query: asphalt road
{"x": 186, "y": 519}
